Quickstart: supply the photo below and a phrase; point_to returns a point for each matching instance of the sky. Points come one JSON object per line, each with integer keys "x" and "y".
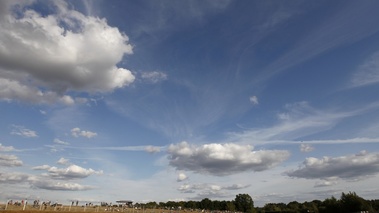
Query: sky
{"x": 184, "y": 100}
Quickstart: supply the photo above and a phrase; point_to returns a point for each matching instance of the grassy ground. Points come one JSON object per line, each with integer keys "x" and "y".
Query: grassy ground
{"x": 75, "y": 209}
{"x": 78, "y": 209}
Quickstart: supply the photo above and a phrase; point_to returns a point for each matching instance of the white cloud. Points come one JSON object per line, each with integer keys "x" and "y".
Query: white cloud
{"x": 13, "y": 178}
{"x": 76, "y": 132}
{"x": 181, "y": 177}
{"x": 41, "y": 182}
{"x": 22, "y": 131}
{"x": 206, "y": 190}
{"x": 186, "y": 188}
{"x": 71, "y": 172}
{"x": 333, "y": 33}
{"x": 236, "y": 187}
{"x": 223, "y": 159}
{"x": 60, "y": 186}
{"x": 343, "y": 141}
{"x": 10, "y": 161}
{"x": 349, "y": 167}
{"x": 43, "y": 167}
{"x": 299, "y": 120}
{"x": 63, "y": 161}
{"x": 367, "y": 73}
{"x": 6, "y": 148}
{"x": 152, "y": 149}
{"x": 254, "y": 100}
{"x": 44, "y": 56}
{"x": 58, "y": 141}
{"x": 215, "y": 190}
{"x": 14, "y": 90}
{"x": 325, "y": 183}
{"x": 154, "y": 77}
{"x": 306, "y": 148}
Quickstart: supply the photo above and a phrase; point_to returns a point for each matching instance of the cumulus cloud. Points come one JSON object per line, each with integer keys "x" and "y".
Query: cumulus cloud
{"x": 209, "y": 190}
{"x": 186, "y": 188}
{"x": 306, "y": 148}
{"x": 6, "y": 148}
{"x": 76, "y": 132}
{"x": 154, "y": 77}
{"x": 59, "y": 186}
{"x": 204, "y": 188}
{"x": 223, "y": 159}
{"x": 254, "y": 100}
{"x": 236, "y": 187}
{"x": 44, "y": 56}
{"x": 367, "y": 73}
{"x": 10, "y": 161}
{"x": 348, "y": 167}
{"x": 41, "y": 182}
{"x": 63, "y": 161}
{"x": 71, "y": 172}
{"x": 22, "y": 131}
{"x": 43, "y": 167}
{"x": 325, "y": 183}
{"x": 13, "y": 178}
{"x": 181, "y": 177}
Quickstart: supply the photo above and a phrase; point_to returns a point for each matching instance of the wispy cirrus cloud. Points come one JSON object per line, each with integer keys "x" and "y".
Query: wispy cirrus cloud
{"x": 351, "y": 23}
{"x": 154, "y": 76}
{"x": 60, "y": 142}
{"x": 367, "y": 73}
{"x": 24, "y": 132}
{"x": 299, "y": 120}
{"x": 152, "y": 149}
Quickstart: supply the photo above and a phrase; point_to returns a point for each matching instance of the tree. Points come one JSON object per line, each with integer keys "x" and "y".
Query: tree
{"x": 151, "y": 205}
{"x": 330, "y": 205}
{"x": 351, "y": 202}
{"x": 206, "y": 204}
{"x": 230, "y": 206}
{"x": 294, "y": 206}
{"x": 244, "y": 203}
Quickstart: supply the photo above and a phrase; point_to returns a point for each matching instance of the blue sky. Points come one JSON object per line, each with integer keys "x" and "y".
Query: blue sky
{"x": 185, "y": 100}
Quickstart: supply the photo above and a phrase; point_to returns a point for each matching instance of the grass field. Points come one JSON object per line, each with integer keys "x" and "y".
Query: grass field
{"x": 78, "y": 209}
{"x": 75, "y": 209}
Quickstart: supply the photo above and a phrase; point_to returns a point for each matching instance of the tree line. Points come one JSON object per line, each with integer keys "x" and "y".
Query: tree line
{"x": 347, "y": 203}
{"x": 242, "y": 203}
